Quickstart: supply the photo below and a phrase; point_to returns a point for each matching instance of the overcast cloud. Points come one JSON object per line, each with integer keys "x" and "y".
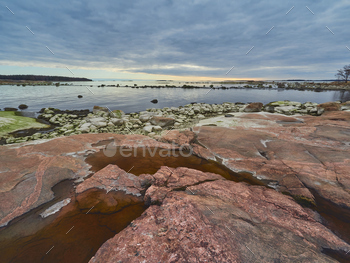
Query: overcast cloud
{"x": 180, "y": 37}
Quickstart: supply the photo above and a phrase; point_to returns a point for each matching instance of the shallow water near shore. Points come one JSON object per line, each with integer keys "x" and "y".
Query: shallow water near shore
{"x": 131, "y": 99}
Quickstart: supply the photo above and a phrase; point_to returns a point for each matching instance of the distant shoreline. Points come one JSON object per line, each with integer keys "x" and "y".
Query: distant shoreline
{"x": 20, "y": 79}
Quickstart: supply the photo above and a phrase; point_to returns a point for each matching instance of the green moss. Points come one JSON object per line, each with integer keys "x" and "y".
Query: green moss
{"x": 304, "y": 201}
{"x": 301, "y": 200}
{"x": 118, "y": 114}
{"x": 10, "y": 122}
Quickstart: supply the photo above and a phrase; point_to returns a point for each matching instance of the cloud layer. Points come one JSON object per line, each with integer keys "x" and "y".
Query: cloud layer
{"x": 180, "y": 37}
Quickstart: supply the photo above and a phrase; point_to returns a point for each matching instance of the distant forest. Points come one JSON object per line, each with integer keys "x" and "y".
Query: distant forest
{"x": 40, "y": 78}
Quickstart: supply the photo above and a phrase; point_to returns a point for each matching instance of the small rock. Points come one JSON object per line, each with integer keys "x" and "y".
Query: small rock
{"x": 85, "y": 127}
{"x": 210, "y": 124}
{"x": 154, "y": 101}
{"x": 22, "y": 106}
{"x": 229, "y": 115}
{"x": 148, "y": 129}
{"x": 145, "y": 117}
{"x": 10, "y": 109}
{"x": 80, "y": 96}
{"x": 157, "y": 128}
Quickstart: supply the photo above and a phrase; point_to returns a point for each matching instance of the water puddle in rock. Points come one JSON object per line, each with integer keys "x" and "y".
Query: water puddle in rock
{"x": 337, "y": 219}
{"x": 72, "y": 235}
{"x": 142, "y": 160}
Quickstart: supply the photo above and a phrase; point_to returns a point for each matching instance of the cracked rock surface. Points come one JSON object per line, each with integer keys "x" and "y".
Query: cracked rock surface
{"x": 215, "y": 220}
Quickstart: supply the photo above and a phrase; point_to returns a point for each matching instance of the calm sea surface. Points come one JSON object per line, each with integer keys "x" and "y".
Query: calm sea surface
{"x": 137, "y": 99}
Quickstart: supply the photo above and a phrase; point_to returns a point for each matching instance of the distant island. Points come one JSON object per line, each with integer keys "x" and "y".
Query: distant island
{"x": 18, "y": 78}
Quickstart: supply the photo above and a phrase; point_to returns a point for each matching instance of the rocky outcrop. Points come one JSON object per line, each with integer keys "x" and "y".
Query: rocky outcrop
{"x": 198, "y": 217}
{"x": 195, "y": 216}
{"x": 28, "y": 171}
{"x": 297, "y": 153}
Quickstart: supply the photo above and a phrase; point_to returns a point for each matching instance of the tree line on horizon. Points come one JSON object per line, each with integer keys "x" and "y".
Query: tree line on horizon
{"x": 41, "y": 78}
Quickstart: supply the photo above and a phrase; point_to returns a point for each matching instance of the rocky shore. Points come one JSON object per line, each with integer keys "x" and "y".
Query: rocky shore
{"x": 300, "y": 212}
{"x": 153, "y": 121}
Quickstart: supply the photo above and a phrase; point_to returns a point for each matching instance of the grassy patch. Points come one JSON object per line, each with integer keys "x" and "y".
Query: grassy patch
{"x": 10, "y": 122}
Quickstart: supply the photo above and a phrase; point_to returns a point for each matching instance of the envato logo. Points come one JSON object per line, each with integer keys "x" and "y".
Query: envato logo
{"x": 112, "y": 149}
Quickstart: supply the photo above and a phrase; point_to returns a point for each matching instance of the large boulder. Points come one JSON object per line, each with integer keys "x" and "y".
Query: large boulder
{"x": 330, "y": 106}
{"x": 97, "y": 109}
{"x": 253, "y": 107}
{"x": 162, "y": 121}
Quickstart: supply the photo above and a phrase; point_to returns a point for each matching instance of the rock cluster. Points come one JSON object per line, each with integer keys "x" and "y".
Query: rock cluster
{"x": 152, "y": 121}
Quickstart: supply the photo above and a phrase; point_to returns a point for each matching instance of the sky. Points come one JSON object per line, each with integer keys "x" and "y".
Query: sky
{"x": 175, "y": 39}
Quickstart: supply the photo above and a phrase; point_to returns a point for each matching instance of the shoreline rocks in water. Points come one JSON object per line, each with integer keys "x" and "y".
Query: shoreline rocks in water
{"x": 153, "y": 121}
